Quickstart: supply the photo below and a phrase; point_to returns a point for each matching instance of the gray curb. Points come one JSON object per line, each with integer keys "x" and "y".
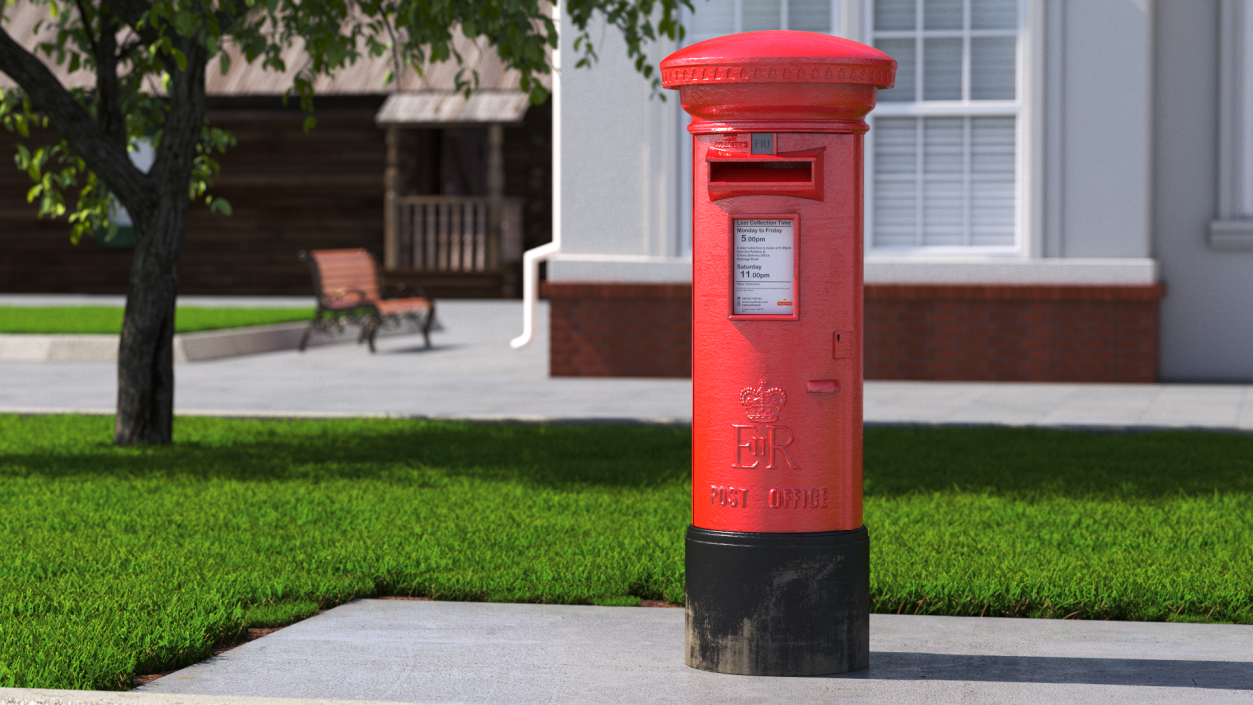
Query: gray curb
{"x": 188, "y": 347}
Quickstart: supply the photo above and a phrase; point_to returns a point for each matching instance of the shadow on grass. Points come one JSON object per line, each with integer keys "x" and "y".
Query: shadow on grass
{"x": 898, "y": 461}
{"x": 261, "y": 450}
{"x": 1030, "y": 462}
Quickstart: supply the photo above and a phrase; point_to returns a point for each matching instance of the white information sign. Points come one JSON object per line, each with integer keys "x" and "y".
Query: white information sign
{"x": 763, "y": 261}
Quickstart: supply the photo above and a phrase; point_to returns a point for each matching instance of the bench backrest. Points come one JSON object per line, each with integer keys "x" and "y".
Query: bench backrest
{"x": 339, "y": 271}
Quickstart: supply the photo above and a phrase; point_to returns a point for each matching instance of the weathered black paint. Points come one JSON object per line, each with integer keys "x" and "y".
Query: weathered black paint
{"x": 778, "y": 604}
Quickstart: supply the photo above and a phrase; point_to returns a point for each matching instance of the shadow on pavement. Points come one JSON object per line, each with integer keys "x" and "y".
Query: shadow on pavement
{"x": 421, "y": 349}
{"x": 892, "y": 665}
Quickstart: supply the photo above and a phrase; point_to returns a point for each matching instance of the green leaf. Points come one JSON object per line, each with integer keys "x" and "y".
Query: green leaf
{"x": 219, "y": 205}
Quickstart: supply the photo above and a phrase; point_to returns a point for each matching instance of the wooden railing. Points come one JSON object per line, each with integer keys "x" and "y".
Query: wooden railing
{"x": 455, "y": 233}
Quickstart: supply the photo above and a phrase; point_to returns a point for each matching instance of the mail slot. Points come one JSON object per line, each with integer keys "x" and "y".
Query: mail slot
{"x": 777, "y": 553}
{"x": 796, "y": 174}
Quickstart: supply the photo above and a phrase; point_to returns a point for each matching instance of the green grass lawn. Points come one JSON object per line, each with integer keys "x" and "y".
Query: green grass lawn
{"x": 122, "y": 560}
{"x": 108, "y": 319}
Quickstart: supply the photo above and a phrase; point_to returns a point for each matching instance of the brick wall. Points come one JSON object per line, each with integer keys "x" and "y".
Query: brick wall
{"x": 620, "y": 330}
{"x": 1012, "y": 333}
{"x": 923, "y": 332}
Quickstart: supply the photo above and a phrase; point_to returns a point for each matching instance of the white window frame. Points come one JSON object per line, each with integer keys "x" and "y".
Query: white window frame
{"x": 838, "y": 22}
{"x": 1021, "y": 108}
{"x": 1232, "y": 229}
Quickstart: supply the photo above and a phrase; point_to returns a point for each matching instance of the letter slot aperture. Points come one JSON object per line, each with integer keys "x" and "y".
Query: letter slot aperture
{"x": 797, "y": 174}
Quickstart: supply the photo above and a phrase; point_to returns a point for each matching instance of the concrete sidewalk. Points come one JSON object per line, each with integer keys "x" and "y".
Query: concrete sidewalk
{"x": 473, "y": 373}
{"x": 470, "y": 372}
{"x": 483, "y": 653}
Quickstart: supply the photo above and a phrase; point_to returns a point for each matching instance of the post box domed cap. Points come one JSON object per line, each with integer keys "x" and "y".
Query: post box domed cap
{"x": 778, "y": 56}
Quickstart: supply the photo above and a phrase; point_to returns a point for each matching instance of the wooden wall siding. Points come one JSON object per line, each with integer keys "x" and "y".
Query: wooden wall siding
{"x": 36, "y": 255}
{"x": 290, "y": 190}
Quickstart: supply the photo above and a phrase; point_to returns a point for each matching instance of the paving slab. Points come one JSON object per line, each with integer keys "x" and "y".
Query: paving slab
{"x": 471, "y": 372}
{"x": 483, "y": 653}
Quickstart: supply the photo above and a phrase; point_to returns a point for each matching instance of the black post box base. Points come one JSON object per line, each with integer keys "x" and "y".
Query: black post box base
{"x": 778, "y": 604}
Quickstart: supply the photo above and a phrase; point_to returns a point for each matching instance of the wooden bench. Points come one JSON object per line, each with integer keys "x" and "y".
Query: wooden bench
{"x": 346, "y": 283}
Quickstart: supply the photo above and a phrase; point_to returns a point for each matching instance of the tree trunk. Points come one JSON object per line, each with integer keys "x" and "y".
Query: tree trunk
{"x": 145, "y": 365}
{"x": 145, "y": 370}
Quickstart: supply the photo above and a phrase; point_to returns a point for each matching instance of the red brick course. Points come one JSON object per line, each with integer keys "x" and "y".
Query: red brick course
{"x": 1058, "y": 333}
{"x": 619, "y": 330}
{"x": 1012, "y": 333}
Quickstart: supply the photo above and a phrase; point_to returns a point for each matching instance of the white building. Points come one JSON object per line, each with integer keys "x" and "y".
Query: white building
{"x": 1055, "y": 190}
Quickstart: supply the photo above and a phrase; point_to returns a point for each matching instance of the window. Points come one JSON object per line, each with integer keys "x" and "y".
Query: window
{"x": 714, "y": 18}
{"x": 943, "y": 151}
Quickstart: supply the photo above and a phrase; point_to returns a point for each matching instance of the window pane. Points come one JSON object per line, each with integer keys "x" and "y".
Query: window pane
{"x": 942, "y": 69}
{"x": 992, "y": 146}
{"x": 944, "y": 145}
{"x": 896, "y": 184}
{"x": 992, "y": 180}
{"x": 809, "y": 15}
{"x": 894, "y": 14}
{"x": 943, "y": 212}
{"x": 903, "y": 51}
{"x": 896, "y": 146}
{"x": 895, "y": 215}
{"x": 992, "y": 68}
{"x": 761, "y": 14}
{"x": 992, "y": 213}
{"x": 942, "y": 14}
{"x": 994, "y": 14}
{"x": 712, "y": 18}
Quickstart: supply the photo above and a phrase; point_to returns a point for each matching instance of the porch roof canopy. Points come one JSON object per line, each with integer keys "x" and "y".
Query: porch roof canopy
{"x": 452, "y": 107}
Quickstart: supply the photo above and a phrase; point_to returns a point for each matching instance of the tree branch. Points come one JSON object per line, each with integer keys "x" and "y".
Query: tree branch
{"x": 108, "y": 97}
{"x": 131, "y": 12}
{"x": 108, "y": 159}
{"x": 185, "y": 120}
{"x": 91, "y": 38}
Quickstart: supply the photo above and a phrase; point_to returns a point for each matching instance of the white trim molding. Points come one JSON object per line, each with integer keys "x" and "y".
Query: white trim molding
{"x": 1076, "y": 272}
{"x": 624, "y": 269}
{"x": 1233, "y": 228}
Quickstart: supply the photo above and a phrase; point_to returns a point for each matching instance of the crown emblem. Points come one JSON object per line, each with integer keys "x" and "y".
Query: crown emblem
{"x": 763, "y": 404}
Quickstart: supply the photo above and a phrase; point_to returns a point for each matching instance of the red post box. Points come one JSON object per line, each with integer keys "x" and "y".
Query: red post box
{"x": 777, "y": 555}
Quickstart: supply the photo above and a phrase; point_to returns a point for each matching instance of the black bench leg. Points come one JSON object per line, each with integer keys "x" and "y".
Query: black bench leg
{"x": 426, "y": 327}
{"x": 304, "y": 339}
{"x": 373, "y": 328}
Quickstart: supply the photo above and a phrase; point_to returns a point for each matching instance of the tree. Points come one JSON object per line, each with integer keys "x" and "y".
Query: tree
{"x": 149, "y": 58}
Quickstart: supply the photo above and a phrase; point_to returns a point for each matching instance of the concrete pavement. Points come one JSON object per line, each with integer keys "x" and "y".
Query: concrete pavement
{"x": 470, "y": 372}
{"x": 484, "y": 653}
{"x": 473, "y": 373}
{"x": 415, "y": 651}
